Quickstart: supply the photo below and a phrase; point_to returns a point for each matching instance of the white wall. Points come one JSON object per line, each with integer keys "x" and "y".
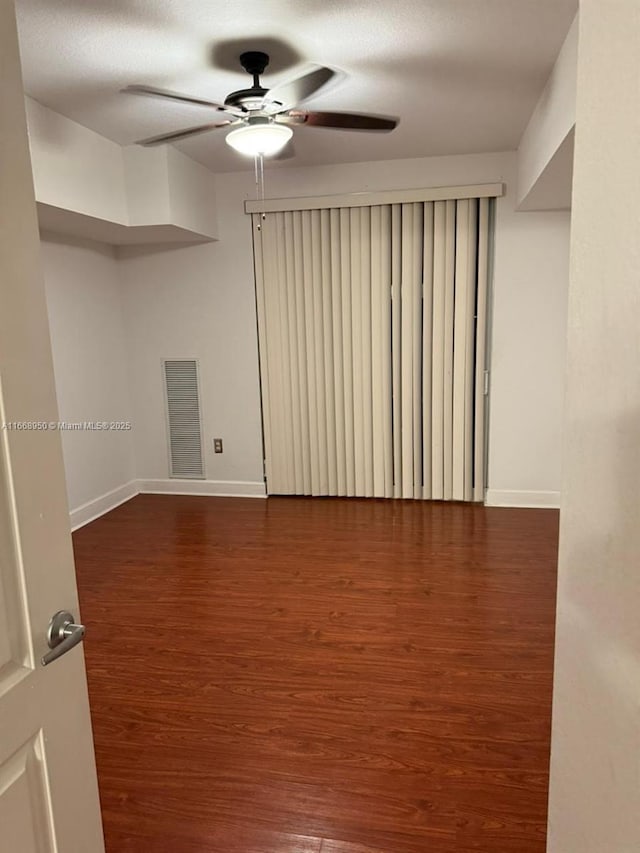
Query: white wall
{"x": 84, "y": 300}
{"x": 191, "y": 194}
{"x": 73, "y": 167}
{"x": 179, "y": 303}
{"x": 79, "y": 173}
{"x": 528, "y": 357}
{"x": 199, "y": 302}
{"x": 551, "y": 122}
{"x": 145, "y": 172}
{"x": 594, "y": 804}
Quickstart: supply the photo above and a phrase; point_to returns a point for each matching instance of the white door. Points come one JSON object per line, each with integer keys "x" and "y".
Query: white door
{"x": 48, "y": 789}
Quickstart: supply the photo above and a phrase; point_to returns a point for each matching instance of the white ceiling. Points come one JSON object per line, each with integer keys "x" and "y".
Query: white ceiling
{"x": 463, "y": 76}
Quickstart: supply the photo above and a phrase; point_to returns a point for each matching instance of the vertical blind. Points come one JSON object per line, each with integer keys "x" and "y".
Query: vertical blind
{"x": 371, "y": 324}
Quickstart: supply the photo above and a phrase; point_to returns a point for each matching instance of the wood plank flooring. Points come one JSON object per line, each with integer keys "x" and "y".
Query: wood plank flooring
{"x": 319, "y": 675}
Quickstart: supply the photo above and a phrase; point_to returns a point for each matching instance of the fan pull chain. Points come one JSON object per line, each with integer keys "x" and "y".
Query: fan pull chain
{"x": 258, "y": 161}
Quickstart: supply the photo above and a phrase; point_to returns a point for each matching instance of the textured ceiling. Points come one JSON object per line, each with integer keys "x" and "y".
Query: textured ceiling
{"x": 462, "y": 75}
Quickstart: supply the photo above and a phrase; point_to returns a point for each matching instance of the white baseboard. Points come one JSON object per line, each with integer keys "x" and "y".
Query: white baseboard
{"x": 98, "y": 506}
{"x": 525, "y": 500}
{"x": 212, "y": 488}
{"x": 246, "y": 489}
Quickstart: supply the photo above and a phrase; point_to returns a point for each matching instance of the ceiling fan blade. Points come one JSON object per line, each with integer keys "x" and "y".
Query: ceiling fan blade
{"x": 153, "y": 92}
{"x": 181, "y": 134}
{"x": 294, "y": 91}
{"x": 343, "y": 121}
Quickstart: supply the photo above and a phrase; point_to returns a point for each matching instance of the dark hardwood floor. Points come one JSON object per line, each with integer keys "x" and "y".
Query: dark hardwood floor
{"x": 319, "y": 675}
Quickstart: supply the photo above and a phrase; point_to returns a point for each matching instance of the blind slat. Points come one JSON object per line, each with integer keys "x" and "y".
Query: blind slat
{"x": 385, "y": 350}
{"x": 347, "y": 350}
{"x": 447, "y": 403}
{"x": 480, "y": 355}
{"x": 356, "y": 337}
{"x": 437, "y": 362}
{"x": 303, "y": 387}
{"x": 310, "y": 359}
{"x": 367, "y": 391}
{"x": 327, "y": 323}
{"x": 427, "y": 349}
{"x": 338, "y": 355}
{"x": 396, "y": 346}
{"x": 470, "y": 342}
{"x": 461, "y": 304}
{"x": 416, "y": 354}
{"x": 287, "y": 355}
{"x": 407, "y": 308}
{"x": 294, "y": 355}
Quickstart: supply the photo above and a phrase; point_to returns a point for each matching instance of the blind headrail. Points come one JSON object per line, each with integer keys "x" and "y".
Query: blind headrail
{"x": 369, "y": 199}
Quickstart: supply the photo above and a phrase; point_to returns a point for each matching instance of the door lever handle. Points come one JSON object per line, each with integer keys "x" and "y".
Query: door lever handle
{"x": 63, "y": 635}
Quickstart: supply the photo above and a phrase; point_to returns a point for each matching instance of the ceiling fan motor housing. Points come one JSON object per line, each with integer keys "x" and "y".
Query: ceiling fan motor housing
{"x": 254, "y": 62}
{"x": 248, "y": 99}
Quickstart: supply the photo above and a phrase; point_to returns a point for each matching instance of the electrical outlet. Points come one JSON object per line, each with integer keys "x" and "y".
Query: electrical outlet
{"x": 217, "y": 445}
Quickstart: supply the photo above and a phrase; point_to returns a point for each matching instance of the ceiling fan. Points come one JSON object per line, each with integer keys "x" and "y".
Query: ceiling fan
{"x": 262, "y": 119}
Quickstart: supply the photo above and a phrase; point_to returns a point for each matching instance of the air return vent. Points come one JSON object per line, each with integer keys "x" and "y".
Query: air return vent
{"x": 183, "y": 418}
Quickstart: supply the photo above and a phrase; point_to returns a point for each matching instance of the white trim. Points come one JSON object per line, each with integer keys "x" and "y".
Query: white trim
{"x": 530, "y": 500}
{"x": 104, "y": 503}
{"x": 92, "y": 510}
{"x": 366, "y": 199}
{"x": 212, "y": 488}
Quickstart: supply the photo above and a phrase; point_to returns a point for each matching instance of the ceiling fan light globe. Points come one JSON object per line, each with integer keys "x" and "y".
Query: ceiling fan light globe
{"x": 264, "y": 139}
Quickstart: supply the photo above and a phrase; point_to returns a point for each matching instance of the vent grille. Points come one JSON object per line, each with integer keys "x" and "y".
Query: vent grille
{"x": 183, "y": 418}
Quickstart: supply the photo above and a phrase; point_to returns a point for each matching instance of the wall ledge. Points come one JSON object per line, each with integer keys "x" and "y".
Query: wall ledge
{"x": 73, "y": 223}
{"x": 91, "y": 187}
